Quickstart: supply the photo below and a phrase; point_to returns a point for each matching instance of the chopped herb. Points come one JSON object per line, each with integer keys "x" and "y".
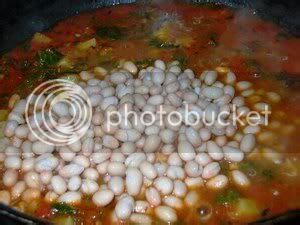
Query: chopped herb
{"x": 213, "y": 40}
{"x": 228, "y": 197}
{"x": 49, "y": 57}
{"x": 268, "y": 174}
{"x": 155, "y": 42}
{"x": 144, "y": 63}
{"x": 113, "y": 33}
{"x": 253, "y": 66}
{"x": 63, "y": 208}
{"x": 247, "y": 166}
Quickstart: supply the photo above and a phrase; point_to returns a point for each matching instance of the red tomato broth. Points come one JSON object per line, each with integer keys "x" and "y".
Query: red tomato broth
{"x": 239, "y": 39}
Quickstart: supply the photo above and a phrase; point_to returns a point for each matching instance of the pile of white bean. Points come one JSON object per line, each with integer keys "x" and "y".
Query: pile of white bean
{"x": 143, "y": 169}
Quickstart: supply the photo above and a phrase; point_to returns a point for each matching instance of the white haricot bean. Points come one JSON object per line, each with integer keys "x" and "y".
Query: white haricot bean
{"x": 152, "y": 143}
{"x": 70, "y": 197}
{"x": 124, "y": 207}
{"x": 180, "y": 188}
{"x": 32, "y": 179}
{"x": 58, "y": 184}
{"x": 10, "y": 128}
{"x": 10, "y": 177}
{"x": 45, "y": 177}
{"x": 155, "y": 100}
{"x": 191, "y": 198}
{"x": 173, "y": 202}
{"x": 248, "y": 142}
{"x": 175, "y": 172}
{"x": 116, "y": 185}
{"x": 91, "y": 173}
{"x": 31, "y": 194}
{"x": 22, "y": 131}
{"x": 141, "y": 206}
{"x": 130, "y": 135}
{"x": 131, "y": 67}
{"x": 158, "y": 76}
{"x": 116, "y": 169}
{"x": 203, "y": 158}
{"x": 186, "y": 151}
{"x": 210, "y": 77}
{"x": 51, "y": 197}
{"x": 148, "y": 170}
{"x": 18, "y": 189}
{"x": 193, "y": 136}
{"x": 71, "y": 170}
{"x": 230, "y": 78}
{"x": 243, "y": 85}
{"x": 214, "y": 151}
{"x": 135, "y": 159}
{"x": 211, "y": 170}
{"x": 193, "y": 169}
{"x": 164, "y": 185}
{"x": 240, "y": 178}
{"x": 12, "y": 162}
{"x": 74, "y": 183}
{"x": 160, "y": 64}
{"x": 174, "y": 159}
{"x": 134, "y": 180}
{"x": 153, "y": 196}
{"x": 166, "y": 214}
{"x": 233, "y": 154}
{"x": 110, "y": 142}
{"x": 212, "y": 92}
{"x": 205, "y": 134}
{"x": 39, "y": 148}
{"x": 118, "y": 78}
{"x": 217, "y": 182}
{"x": 160, "y": 168}
{"x": 193, "y": 182}
{"x": 89, "y": 186}
{"x": 46, "y": 162}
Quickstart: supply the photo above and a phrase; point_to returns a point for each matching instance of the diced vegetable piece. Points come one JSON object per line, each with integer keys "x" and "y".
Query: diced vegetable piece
{"x": 64, "y": 220}
{"x": 246, "y": 208}
{"x": 63, "y": 208}
{"x": 228, "y": 197}
{"x": 3, "y": 114}
{"x": 113, "y": 33}
{"x": 144, "y": 63}
{"x": 82, "y": 46}
{"x": 155, "y": 42}
{"x": 65, "y": 63}
{"x": 268, "y": 174}
{"x": 41, "y": 38}
{"x": 49, "y": 57}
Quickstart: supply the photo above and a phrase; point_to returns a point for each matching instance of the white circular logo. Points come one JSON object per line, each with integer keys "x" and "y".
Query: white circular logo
{"x": 58, "y": 112}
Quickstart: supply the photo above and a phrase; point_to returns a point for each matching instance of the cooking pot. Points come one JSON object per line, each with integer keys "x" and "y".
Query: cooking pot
{"x": 20, "y": 19}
